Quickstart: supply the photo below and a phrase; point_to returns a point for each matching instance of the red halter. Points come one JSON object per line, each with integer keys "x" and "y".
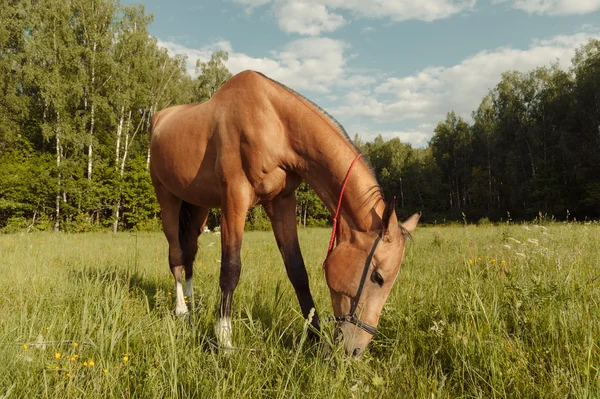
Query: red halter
{"x": 339, "y": 205}
{"x": 351, "y": 317}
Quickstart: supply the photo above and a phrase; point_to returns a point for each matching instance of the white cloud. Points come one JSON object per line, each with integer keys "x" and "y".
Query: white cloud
{"x": 417, "y": 136}
{"x": 202, "y": 54}
{"x": 312, "y": 17}
{"x": 307, "y": 19}
{"x": 357, "y": 80}
{"x": 314, "y": 64}
{"x": 430, "y": 93}
{"x": 403, "y": 10}
{"x": 251, "y": 4}
{"x": 395, "y": 106}
{"x": 555, "y": 7}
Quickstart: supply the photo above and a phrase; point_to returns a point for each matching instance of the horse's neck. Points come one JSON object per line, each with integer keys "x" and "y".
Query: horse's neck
{"x": 362, "y": 203}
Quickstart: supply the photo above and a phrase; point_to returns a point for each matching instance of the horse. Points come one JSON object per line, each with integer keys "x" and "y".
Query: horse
{"x": 253, "y": 142}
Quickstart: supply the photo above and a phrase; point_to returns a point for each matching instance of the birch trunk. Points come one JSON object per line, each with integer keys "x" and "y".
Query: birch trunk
{"x": 91, "y": 146}
{"x": 125, "y": 151}
{"x": 58, "y": 160}
{"x": 119, "y": 133}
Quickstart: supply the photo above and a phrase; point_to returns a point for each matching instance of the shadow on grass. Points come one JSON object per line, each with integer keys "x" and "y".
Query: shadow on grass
{"x": 135, "y": 281}
{"x": 271, "y": 317}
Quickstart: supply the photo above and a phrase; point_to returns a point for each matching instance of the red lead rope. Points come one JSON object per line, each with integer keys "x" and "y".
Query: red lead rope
{"x": 339, "y": 205}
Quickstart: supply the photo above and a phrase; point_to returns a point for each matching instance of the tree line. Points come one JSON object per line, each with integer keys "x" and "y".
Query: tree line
{"x": 530, "y": 151}
{"x": 80, "y": 80}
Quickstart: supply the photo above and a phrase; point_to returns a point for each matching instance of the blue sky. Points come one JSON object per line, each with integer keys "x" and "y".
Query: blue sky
{"x": 389, "y": 67}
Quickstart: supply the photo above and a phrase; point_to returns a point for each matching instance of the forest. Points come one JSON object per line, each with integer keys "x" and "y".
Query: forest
{"x": 79, "y": 82}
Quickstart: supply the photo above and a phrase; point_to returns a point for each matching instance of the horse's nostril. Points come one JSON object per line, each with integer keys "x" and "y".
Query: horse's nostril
{"x": 356, "y": 352}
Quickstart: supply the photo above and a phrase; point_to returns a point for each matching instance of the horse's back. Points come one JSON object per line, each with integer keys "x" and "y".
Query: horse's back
{"x": 237, "y": 134}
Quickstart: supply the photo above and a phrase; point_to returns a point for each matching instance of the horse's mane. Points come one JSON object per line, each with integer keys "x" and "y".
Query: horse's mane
{"x": 335, "y": 123}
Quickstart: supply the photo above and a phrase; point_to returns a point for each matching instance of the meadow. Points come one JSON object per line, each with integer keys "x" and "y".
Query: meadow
{"x": 476, "y": 312}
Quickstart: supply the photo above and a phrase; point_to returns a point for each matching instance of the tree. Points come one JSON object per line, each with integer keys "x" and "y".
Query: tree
{"x": 13, "y": 101}
{"x": 310, "y": 209}
{"x": 213, "y": 74}
{"x": 451, "y": 149}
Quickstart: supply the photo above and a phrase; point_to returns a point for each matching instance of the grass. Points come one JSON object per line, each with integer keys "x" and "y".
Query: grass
{"x": 476, "y": 312}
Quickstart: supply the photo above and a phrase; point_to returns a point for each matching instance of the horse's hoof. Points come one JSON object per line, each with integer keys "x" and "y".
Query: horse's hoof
{"x": 181, "y": 311}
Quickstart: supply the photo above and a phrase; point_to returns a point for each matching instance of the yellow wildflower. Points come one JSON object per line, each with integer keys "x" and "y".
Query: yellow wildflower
{"x": 75, "y": 344}
{"x": 125, "y": 358}
{"x": 105, "y": 371}
{"x": 84, "y": 364}
{"x": 24, "y": 347}
{"x": 91, "y": 363}
{"x": 57, "y": 355}
{"x": 68, "y": 374}
{"x": 470, "y": 261}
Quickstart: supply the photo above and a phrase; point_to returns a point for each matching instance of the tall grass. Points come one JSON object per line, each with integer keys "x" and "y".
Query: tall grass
{"x": 508, "y": 311}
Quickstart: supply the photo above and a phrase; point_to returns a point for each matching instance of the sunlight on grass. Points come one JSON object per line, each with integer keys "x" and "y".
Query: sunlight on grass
{"x": 476, "y": 312}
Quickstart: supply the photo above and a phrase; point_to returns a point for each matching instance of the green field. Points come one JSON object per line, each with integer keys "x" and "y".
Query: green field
{"x": 504, "y": 311}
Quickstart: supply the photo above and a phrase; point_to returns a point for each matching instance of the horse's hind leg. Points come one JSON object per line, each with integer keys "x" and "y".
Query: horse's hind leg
{"x": 282, "y": 212}
{"x": 236, "y": 203}
{"x": 177, "y": 226}
{"x": 170, "y": 207}
{"x": 191, "y": 221}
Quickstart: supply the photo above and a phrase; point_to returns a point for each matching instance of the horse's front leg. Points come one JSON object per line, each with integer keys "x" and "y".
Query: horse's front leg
{"x": 233, "y": 216}
{"x": 282, "y": 212}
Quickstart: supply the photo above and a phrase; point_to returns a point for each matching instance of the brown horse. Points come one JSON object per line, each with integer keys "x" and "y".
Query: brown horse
{"x": 253, "y": 143}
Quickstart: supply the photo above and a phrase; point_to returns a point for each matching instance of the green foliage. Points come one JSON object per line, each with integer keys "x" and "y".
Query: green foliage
{"x": 257, "y": 219}
{"x": 212, "y": 75}
{"x": 138, "y": 206}
{"x": 26, "y": 185}
{"x": 311, "y": 211}
{"x": 532, "y": 148}
{"x": 81, "y": 81}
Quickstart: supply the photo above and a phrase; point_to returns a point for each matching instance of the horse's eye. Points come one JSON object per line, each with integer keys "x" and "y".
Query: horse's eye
{"x": 376, "y": 278}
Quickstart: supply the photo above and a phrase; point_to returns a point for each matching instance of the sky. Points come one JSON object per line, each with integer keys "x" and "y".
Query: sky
{"x": 382, "y": 67}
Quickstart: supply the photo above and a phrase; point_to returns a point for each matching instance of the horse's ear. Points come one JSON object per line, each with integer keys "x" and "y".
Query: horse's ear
{"x": 389, "y": 220}
{"x": 411, "y": 223}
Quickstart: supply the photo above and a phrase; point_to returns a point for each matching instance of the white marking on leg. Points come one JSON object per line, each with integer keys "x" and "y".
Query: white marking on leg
{"x": 180, "y": 306}
{"x": 223, "y": 332}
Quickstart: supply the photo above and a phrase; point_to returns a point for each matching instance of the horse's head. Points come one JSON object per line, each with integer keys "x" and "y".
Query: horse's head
{"x": 372, "y": 258}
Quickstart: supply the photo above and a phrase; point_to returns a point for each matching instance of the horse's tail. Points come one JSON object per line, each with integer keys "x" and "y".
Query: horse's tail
{"x": 185, "y": 223}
